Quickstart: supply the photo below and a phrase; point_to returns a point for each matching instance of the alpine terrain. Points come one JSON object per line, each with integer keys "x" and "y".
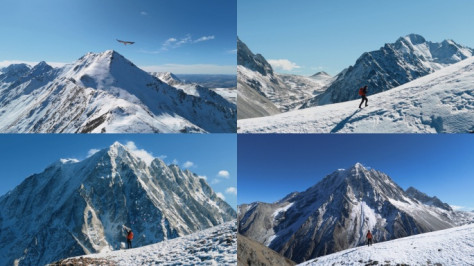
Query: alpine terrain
{"x": 262, "y": 92}
{"x": 440, "y": 102}
{"x": 104, "y": 92}
{"x": 394, "y": 64}
{"x": 213, "y": 246}
{"x": 76, "y": 207}
{"x": 336, "y": 213}
{"x": 445, "y": 247}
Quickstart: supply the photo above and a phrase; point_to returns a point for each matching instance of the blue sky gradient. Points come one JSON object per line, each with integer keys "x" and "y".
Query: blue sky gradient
{"x": 330, "y": 35}
{"x": 25, "y": 154}
{"x": 63, "y": 31}
{"x": 272, "y": 166}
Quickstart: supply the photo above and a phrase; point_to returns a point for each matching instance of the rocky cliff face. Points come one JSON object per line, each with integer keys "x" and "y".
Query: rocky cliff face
{"x": 74, "y": 208}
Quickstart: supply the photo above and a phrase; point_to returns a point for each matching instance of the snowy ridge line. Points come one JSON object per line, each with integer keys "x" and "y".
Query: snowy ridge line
{"x": 452, "y": 246}
{"x": 213, "y": 246}
{"x": 105, "y": 92}
{"x": 441, "y": 102}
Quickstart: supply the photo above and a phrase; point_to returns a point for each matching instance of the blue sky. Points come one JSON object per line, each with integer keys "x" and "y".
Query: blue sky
{"x": 181, "y": 36}
{"x": 330, "y": 35}
{"x": 210, "y": 155}
{"x": 272, "y": 166}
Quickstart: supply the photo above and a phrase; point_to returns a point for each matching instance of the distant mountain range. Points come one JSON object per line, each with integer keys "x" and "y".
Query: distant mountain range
{"x": 105, "y": 93}
{"x": 262, "y": 92}
{"x": 336, "y": 213}
{"x": 75, "y": 207}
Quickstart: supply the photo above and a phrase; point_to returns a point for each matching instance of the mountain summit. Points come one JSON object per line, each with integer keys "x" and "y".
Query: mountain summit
{"x": 105, "y": 92}
{"x": 76, "y": 207}
{"x": 336, "y": 213}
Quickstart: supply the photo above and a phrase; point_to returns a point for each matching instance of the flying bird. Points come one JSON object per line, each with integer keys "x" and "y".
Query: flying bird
{"x": 125, "y": 42}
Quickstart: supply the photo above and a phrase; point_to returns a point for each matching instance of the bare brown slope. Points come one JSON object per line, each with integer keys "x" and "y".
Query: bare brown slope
{"x": 250, "y": 252}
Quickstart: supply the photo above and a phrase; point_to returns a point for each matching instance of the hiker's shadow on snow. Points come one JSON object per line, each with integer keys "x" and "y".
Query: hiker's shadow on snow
{"x": 341, "y": 124}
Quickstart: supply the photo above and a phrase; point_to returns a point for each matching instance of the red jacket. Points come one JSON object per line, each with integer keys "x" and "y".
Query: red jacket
{"x": 369, "y": 235}
{"x": 130, "y": 235}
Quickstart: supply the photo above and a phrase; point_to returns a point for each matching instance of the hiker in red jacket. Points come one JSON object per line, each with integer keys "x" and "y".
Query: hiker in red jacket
{"x": 129, "y": 239}
{"x": 363, "y": 93}
{"x": 369, "y": 238}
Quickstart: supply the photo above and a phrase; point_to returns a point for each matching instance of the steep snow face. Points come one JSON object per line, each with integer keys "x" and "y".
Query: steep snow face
{"x": 106, "y": 93}
{"x": 407, "y": 59}
{"x": 167, "y": 77}
{"x": 75, "y": 208}
{"x": 213, "y": 246}
{"x": 262, "y": 92}
{"x": 445, "y": 247}
{"x": 441, "y": 102}
{"x": 336, "y": 214}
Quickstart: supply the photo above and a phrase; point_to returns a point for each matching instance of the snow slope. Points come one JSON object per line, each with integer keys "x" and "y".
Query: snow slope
{"x": 105, "y": 92}
{"x": 75, "y": 207}
{"x": 213, "y": 246}
{"x": 441, "y": 102}
{"x": 452, "y": 246}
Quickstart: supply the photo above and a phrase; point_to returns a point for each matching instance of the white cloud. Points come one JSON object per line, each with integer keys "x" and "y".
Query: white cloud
{"x": 175, "y": 162}
{"x": 456, "y": 208}
{"x": 220, "y": 195}
{"x": 162, "y": 157}
{"x": 188, "y": 164}
{"x": 215, "y": 181}
{"x": 140, "y": 153}
{"x": 231, "y": 190}
{"x": 192, "y": 69}
{"x": 143, "y": 13}
{"x": 283, "y": 64}
{"x": 6, "y": 63}
{"x": 92, "y": 152}
{"x": 202, "y": 177}
{"x": 233, "y": 51}
{"x": 223, "y": 174}
{"x": 204, "y": 38}
{"x": 183, "y": 40}
{"x": 177, "y": 42}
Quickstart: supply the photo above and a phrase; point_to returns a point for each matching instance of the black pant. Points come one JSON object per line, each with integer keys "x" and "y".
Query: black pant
{"x": 369, "y": 241}
{"x": 129, "y": 243}
{"x": 363, "y": 99}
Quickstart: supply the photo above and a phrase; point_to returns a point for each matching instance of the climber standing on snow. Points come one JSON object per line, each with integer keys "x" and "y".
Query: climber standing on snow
{"x": 369, "y": 238}
{"x": 129, "y": 238}
{"x": 363, "y": 93}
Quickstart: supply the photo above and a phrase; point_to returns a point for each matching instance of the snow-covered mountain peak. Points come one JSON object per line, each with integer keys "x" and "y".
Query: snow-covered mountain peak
{"x": 255, "y": 62}
{"x": 336, "y": 213}
{"x": 412, "y": 39}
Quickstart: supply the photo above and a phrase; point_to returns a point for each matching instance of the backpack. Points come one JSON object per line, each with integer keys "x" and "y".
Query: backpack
{"x": 361, "y": 91}
{"x": 130, "y": 235}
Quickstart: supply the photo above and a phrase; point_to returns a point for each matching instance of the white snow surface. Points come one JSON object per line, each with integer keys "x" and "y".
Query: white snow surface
{"x": 454, "y": 246}
{"x": 441, "y": 102}
{"x": 214, "y": 246}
